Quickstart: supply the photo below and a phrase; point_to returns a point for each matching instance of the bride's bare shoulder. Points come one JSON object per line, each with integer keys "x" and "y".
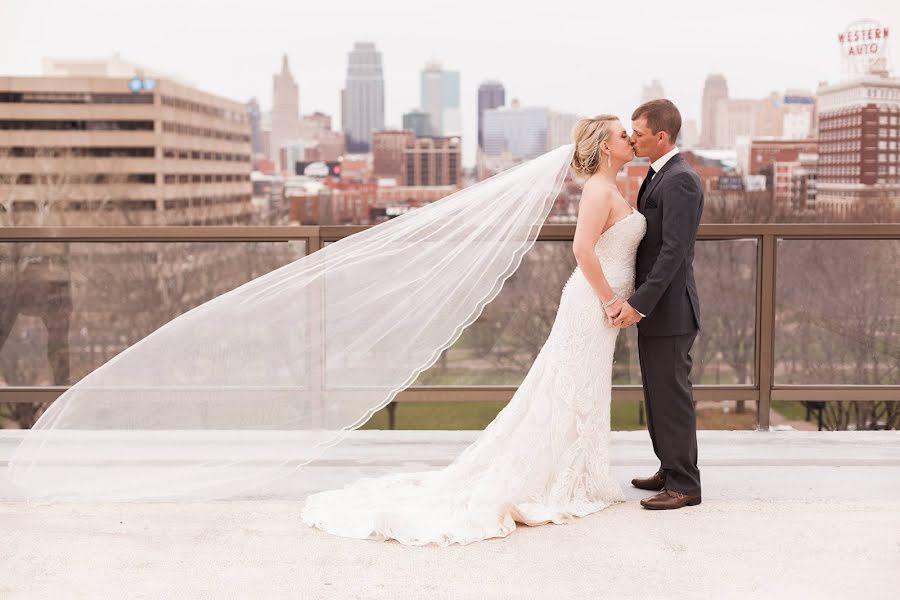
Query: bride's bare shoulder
{"x": 597, "y": 192}
{"x": 619, "y": 196}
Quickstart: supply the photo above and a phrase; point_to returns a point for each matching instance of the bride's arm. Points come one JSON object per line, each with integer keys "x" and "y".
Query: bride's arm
{"x": 593, "y": 212}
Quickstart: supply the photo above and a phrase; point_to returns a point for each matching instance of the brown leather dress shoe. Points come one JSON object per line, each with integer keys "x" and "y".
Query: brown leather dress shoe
{"x": 655, "y": 482}
{"x": 668, "y": 499}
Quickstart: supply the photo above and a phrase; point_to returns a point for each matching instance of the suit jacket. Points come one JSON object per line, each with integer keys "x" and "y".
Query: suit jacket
{"x": 664, "y": 277}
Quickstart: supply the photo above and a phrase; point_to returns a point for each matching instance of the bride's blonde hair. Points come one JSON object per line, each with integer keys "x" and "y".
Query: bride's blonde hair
{"x": 586, "y": 137}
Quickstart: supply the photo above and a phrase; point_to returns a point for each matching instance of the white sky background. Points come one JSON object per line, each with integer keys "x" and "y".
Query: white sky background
{"x": 582, "y": 57}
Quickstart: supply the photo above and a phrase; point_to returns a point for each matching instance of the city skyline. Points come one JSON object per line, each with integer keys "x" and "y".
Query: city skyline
{"x": 496, "y": 45}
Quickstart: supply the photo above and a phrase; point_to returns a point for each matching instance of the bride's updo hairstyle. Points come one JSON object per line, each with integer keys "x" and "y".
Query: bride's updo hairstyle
{"x": 586, "y": 137}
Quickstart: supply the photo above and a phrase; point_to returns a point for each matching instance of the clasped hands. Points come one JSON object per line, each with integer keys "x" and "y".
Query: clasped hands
{"x": 621, "y": 314}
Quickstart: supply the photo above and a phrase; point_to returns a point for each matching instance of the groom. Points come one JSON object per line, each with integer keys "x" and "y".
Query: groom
{"x": 665, "y": 304}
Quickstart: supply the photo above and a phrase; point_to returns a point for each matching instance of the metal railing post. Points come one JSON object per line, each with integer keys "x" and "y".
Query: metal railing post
{"x": 765, "y": 327}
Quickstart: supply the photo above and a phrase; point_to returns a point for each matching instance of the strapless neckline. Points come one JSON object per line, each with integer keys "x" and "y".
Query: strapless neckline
{"x": 633, "y": 212}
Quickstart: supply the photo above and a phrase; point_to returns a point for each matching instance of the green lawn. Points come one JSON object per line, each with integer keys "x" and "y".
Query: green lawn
{"x": 476, "y": 415}
{"x": 464, "y": 376}
{"x": 790, "y": 409}
{"x": 622, "y": 374}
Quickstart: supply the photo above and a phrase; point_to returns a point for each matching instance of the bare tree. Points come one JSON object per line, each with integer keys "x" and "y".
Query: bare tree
{"x": 836, "y": 323}
{"x": 95, "y": 299}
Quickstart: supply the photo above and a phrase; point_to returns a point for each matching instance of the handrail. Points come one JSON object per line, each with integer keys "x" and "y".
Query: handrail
{"x": 766, "y": 235}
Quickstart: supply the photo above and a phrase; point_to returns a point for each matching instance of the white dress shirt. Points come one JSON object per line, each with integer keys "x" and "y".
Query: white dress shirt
{"x": 656, "y": 165}
{"x": 660, "y": 162}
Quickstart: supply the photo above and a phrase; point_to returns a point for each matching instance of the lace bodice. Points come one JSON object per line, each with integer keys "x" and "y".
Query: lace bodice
{"x": 617, "y": 248}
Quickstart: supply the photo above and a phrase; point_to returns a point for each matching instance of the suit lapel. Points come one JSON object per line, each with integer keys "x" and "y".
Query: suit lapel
{"x": 657, "y": 178}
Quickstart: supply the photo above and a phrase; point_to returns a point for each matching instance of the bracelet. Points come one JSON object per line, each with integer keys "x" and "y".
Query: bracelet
{"x": 610, "y": 302}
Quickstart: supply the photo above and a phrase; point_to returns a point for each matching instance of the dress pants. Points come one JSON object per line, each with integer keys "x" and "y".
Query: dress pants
{"x": 669, "y": 401}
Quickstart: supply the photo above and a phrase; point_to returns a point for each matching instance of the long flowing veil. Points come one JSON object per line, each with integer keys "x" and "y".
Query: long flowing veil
{"x": 253, "y": 391}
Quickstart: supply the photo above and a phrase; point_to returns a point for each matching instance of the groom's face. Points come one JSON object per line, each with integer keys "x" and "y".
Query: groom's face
{"x": 645, "y": 142}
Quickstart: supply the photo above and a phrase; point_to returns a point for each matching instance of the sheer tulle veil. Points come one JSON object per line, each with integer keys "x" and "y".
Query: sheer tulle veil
{"x": 257, "y": 392}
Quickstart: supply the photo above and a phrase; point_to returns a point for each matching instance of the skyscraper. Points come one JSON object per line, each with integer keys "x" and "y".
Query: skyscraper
{"x": 689, "y": 136}
{"x": 285, "y": 110}
{"x": 714, "y": 90}
{"x": 737, "y": 121}
{"x": 652, "y": 91}
{"x": 491, "y": 94}
{"x": 256, "y": 138}
{"x": 362, "y": 99}
{"x": 418, "y": 121}
{"x": 520, "y": 131}
{"x": 439, "y": 92}
{"x": 559, "y": 128}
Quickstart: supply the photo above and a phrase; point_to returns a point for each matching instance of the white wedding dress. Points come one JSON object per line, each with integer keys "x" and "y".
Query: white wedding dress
{"x": 544, "y": 458}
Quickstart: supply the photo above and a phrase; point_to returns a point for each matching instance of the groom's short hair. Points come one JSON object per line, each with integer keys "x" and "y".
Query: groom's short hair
{"x": 661, "y": 115}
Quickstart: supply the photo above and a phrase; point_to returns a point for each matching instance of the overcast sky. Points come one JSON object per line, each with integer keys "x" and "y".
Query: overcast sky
{"x": 582, "y": 57}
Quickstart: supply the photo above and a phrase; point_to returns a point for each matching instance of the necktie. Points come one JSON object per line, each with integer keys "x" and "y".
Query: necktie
{"x": 645, "y": 183}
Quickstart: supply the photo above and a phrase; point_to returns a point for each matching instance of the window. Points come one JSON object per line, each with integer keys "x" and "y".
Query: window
{"x": 78, "y": 125}
{"x": 77, "y": 152}
{"x": 182, "y": 129}
{"x": 74, "y": 98}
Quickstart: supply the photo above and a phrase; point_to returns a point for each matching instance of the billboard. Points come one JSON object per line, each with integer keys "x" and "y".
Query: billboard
{"x": 318, "y": 168}
{"x": 862, "y": 44}
{"x": 730, "y": 183}
{"x": 799, "y": 100}
{"x": 755, "y": 183}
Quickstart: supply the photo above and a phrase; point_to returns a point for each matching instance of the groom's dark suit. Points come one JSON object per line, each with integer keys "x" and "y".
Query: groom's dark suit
{"x": 666, "y": 293}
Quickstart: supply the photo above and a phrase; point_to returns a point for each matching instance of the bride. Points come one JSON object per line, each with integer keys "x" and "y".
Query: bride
{"x": 545, "y": 457}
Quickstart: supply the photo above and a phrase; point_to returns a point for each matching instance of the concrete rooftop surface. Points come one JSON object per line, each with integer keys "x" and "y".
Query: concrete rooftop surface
{"x": 785, "y": 514}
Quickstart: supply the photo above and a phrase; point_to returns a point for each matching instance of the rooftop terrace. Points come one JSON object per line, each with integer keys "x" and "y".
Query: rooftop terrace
{"x": 785, "y": 514}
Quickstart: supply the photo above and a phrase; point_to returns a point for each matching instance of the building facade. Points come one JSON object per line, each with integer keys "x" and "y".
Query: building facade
{"x": 765, "y": 152}
{"x": 559, "y": 128}
{"x": 715, "y": 89}
{"x": 254, "y": 114}
{"x": 520, "y": 131}
{"x": 362, "y": 99}
{"x": 93, "y": 151}
{"x": 416, "y": 161}
{"x": 389, "y": 153}
{"x": 319, "y": 141}
{"x": 491, "y": 94}
{"x": 652, "y": 91}
{"x": 419, "y": 122}
{"x": 439, "y": 97}
{"x": 285, "y": 128}
{"x": 859, "y": 143}
{"x": 434, "y": 161}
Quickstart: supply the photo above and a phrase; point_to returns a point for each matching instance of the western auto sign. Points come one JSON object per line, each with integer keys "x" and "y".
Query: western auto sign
{"x": 862, "y": 43}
